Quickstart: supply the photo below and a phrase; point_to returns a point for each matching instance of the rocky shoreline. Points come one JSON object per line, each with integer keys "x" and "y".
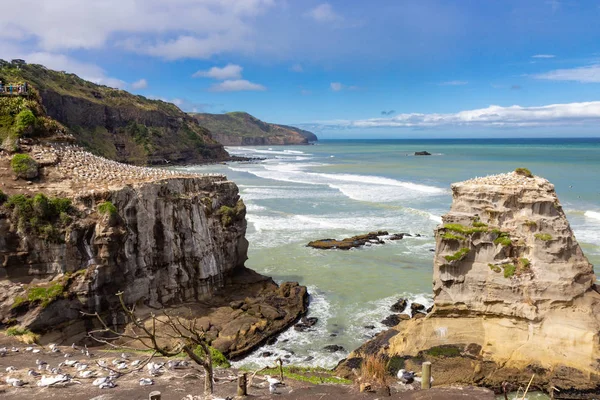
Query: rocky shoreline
{"x": 368, "y": 239}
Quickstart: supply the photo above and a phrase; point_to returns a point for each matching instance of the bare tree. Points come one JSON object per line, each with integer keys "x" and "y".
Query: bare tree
{"x": 168, "y": 336}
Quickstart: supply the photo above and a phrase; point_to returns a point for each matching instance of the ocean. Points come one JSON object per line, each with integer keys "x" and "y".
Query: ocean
{"x": 337, "y": 189}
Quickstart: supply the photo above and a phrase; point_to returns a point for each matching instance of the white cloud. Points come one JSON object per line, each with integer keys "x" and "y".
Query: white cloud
{"x": 543, "y": 56}
{"x": 237, "y": 85}
{"x": 141, "y": 84}
{"x": 588, "y": 74}
{"x": 305, "y": 92}
{"x": 492, "y": 116}
{"x": 323, "y": 13}
{"x": 296, "y": 68}
{"x": 179, "y": 29}
{"x": 336, "y": 86}
{"x": 230, "y": 71}
{"x": 454, "y": 83}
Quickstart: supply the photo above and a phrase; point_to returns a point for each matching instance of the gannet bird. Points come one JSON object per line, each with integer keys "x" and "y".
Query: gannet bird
{"x": 146, "y": 382}
{"x": 14, "y": 381}
{"x": 29, "y": 348}
{"x": 3, "y": 351}
{"x": 135, "y": 363}
{"x": 14, "y": 349}
{"x": 87, "y": 374}
{"x": 81, "y": 366}
{"x": 11, "y": 369}
{"x": 406, "y": 377}
{"x": 35, "y": 351}
{"x": 124, "y": 356}
{"x": 154, "y": 368}
{"x": 70, "y": 363}
{"x": 107, "y": 385}
{"x": 33, "y": 373}
{"x": 52, "y": 380}
{"x": 101, "y": 380}
{"x": 273, "y": 383}
{"x": 122, "y": 365}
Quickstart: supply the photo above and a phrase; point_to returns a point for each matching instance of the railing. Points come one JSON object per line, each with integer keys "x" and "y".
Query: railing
{"x": 20, "y": 89}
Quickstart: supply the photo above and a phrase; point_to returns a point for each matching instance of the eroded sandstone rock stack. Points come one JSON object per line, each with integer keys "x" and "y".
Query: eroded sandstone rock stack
{"x": 514, "y": 294}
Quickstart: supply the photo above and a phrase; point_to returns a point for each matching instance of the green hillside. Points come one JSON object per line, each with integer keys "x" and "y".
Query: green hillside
{"x": 240, "y": 128}
{"x": 109, "y": 122}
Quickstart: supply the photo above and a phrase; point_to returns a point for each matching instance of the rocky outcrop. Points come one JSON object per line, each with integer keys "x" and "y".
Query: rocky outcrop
{"x": 513, "y": 294}
{"x": 110, "y": 122}
{"x": 367, "y": 239}
{"x": 242, "y": 129}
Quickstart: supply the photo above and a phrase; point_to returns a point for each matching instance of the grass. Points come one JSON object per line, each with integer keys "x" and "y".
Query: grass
{"x": 314, "y": 375}
{"x": 24, "y": 335}
{"x": 509, "y": 270}
{"x": 524, "y": 172}
{"x": 465, "y": 230}
{"x": 531, "y": 224}
{"x": 543, "y": 236}
{"x": 443, "y": 351}
{"x": 24, "y": 166}
{"x": 495, "y": 268}
{"x": 107, "y": 208}
{"x": 459, "y": 255}
{"x": 218, "y": 358}
{"x": 503, "y": 239}
{"x": 525, "y": 263}
{"x": 451, "y": 236}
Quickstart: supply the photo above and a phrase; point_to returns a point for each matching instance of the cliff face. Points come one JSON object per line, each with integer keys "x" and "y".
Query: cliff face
{"x": 242, "y": 129}
{"x": 167, "y": 243}
{"x": 110, "y": 122}
{"x": 514, "y": 295}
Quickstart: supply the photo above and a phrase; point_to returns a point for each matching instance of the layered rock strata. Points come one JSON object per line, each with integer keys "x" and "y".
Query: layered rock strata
{"x": 163, "y": 238}
{"x": 514, "y": 294}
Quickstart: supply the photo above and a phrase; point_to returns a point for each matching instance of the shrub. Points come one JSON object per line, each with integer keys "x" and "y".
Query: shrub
{"x": 503, "y": 239}
{"x": 40, "y": 214}
{"x": 218, "y": 358}
{"x": 24, "y": 166}
{"x": 459, "y": 255}
{"x": 509, "y": 270}
{"x": 24, "y": 121}
{"x": 543, "y": 236}
{"x": 374, "y": 370}
{"x": 107, "y": 208}
{"x": 17, "y": 331}
{"x": 451, "y": 236}
{"x": 524, "y": 172}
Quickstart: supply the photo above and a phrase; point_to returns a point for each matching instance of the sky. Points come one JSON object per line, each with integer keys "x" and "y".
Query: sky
{"x": 342, "y": 68}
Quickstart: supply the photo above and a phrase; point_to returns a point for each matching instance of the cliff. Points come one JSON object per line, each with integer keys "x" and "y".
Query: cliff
{"x": 242, "y": 129}
{"x": 108, "y": 122}
{"x": 87, "y": 228}
{"x": 514, "y": 294}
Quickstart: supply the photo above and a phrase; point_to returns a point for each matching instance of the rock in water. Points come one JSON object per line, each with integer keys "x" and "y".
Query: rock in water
{"x": 332, "y": 348}
{"x": 399, "y": 306}
{"x": 422, "y": 153}
{"x": 513, "y": 292}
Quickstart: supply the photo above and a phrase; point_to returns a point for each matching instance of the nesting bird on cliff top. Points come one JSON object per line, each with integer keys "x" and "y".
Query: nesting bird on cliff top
{"x": 273, "y": 384}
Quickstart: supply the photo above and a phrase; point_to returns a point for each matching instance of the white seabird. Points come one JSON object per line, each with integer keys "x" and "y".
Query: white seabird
{"x": 273, "y": 384}
{"x": 146, "y": 382}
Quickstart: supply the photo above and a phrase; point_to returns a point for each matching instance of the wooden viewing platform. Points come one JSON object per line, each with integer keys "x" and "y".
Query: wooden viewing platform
{"x": 20, "y": 89}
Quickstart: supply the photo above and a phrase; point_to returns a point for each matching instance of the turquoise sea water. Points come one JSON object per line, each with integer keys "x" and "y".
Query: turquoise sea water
{"x": 337, "y": 189}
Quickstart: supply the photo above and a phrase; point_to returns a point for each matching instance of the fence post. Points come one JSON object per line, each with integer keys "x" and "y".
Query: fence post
{"x": 242, "y": 388}
{"x": 154, "y": 395}
{"x": 426, "y": 375}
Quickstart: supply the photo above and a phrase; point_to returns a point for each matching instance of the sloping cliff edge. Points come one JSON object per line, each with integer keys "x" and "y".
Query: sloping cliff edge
{"x": 169, "y": 240}
{"x": 514, "y": 296}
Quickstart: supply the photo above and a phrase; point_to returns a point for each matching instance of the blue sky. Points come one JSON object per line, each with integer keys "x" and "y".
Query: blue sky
{"x": 347, "y": 68}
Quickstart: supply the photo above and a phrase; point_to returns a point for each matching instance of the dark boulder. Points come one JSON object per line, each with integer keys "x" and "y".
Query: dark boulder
{"x": 399, "y": 306}
{"x": 394, "y": 319}
{"x": 332, "y": 348}
{"x": 422, "y": 153}
{"x": 417, "y": 307}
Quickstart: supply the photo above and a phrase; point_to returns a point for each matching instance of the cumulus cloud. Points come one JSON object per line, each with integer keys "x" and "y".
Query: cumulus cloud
{"x": 454, "y": 83}
{"x": 587, "y": 74}
{"x": 336, "y": 86}
{"x": 230, "y": 71}
{"x": 183, "y": 29}
{"x": 141, "y": 84}
{"x": 543, "y": 56}
{"x": 492, "y": 116}
{"x": 236, "y": 85}
{"x": 324, "y": 13}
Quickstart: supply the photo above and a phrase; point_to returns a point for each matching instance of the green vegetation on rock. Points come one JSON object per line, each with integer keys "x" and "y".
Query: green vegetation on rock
{"x": 314, "y": 375}
{"x": 24, "y": 166}
{"x": 451, "y": 236}
{"x": 503, "y": 239}
{"x": 24, "y": 121}
{"x": 107, "y": 208}
{"x": 18, "y": 331}
{"x": 230, "y": 215}
{"x": 509, "y": 270}
{"x": 465, "y": 230}
{"x": 44, "y": 295}
{"x": 217, "y": 357}
{"x": 524, "y": 172}
{"x": 524, "y": 263}
{"x": 495, "y": 268}
{"x": 543, "y": 236}
{"x": 443, "y": 351}
{"x": 40, "y": 215}
{"x": 459, "y": 255}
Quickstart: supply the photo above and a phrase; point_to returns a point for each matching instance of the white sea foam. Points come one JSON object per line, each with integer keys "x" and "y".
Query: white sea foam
{"x": 255, "y": 207}
{"x": 592, "y": 215}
